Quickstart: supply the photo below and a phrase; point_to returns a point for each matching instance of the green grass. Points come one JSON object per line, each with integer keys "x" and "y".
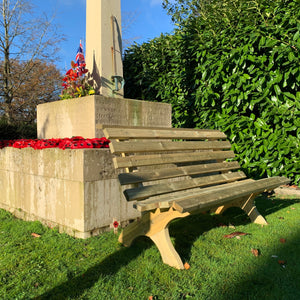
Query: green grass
{"x": 56, "y": 266}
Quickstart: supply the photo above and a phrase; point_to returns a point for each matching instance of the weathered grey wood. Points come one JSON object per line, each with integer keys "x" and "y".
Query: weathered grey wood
{"x": 222, "y": 195}
{"x": 158, "y": 146}
{"x": 138, "y": 177}
{"x": 210, "y": 197}
{"x": 162, "y": 133}
{"x": 148, "y": 160}
{"x": 144, "y": 192}
{"x": 167, "y": 201}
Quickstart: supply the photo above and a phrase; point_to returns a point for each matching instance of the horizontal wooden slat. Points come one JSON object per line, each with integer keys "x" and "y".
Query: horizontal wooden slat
{"x": 158, "y": 146}
{"x": 158, "y": 159}
{"x": 160, "y": 189}
{"x": 166, "y": 201}
{"x": 138, "y": 177}
{"x": 213, "y": 196}
{"x": 162, "y": 133}
{"x": 222, "y": 195}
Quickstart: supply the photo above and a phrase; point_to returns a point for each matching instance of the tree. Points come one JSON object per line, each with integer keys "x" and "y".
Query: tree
{"x": 25, "y": 41}
{"x": 213, "y": 12}
{"x": 42, "y": 84}
{"x": 128, "y": 20}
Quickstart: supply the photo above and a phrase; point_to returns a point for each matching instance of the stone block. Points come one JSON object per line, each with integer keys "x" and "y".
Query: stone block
{"x": 85, "y": 116}
{"x": 76, "y": 190}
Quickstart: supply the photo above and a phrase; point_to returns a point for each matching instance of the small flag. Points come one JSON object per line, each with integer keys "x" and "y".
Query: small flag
{"x": 80, "y": 62}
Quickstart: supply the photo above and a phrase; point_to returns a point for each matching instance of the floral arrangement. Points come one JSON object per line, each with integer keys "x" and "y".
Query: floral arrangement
{"x": 75, "y": 83}
{"x": 76, "y": 142}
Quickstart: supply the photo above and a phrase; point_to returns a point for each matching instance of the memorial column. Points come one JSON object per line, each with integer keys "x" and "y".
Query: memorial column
{"x": 104, "y": 46}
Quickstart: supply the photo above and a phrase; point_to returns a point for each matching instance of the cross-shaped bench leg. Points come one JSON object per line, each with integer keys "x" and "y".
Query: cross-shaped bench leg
{"x": 247, "y": 205}
{"x": 155, "y": 226}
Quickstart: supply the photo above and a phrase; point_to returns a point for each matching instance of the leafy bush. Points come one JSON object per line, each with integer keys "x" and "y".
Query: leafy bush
{"x": 17, "y": 131}
{"x": 242, "y": 78}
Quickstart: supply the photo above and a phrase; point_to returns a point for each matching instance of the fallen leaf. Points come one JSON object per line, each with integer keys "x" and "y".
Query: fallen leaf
{"x": 281, "y": 218}
{"x": 255, "y": 252}
{"x": 35, "y": 235}
{"x": 282, "y": 263}
{"x": 234, "y": 234}
{"x": 282, "y": 241}
{"x": 187, "y": 266}
{"x": 293, "y": 208}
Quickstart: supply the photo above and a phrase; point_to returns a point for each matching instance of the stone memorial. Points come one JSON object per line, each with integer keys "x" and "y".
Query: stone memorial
{"x": 85, "y": 116}
{"x": 78, "y": 190}
{"x": 104, "y": 46}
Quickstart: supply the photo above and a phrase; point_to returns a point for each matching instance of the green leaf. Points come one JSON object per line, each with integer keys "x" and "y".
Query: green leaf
{"x": 291, "y": 56}
{"x": 277, "y": 89}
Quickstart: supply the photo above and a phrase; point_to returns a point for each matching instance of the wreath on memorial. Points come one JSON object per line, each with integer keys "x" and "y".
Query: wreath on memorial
{"x": 76, "y": 142}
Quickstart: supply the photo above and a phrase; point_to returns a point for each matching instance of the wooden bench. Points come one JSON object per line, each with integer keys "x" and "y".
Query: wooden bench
{"x": 170, "y": 173}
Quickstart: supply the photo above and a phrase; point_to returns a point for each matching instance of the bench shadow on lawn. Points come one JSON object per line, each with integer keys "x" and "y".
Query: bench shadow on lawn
{"x": 185, "y": 232}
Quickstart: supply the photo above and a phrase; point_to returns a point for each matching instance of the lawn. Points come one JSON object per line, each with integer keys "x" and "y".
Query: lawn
{"x": 39, "y": 263}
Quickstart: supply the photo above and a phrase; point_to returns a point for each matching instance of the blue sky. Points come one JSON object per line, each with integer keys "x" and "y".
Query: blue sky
{"x": 143, "y": 20}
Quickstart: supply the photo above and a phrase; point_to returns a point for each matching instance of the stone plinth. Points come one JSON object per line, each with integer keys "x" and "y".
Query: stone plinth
{"x": 84, "y": 116}
{"x": 76, "y": 190}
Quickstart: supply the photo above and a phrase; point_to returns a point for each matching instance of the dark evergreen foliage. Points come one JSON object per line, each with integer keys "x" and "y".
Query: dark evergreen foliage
{"x": 234, "y": 66}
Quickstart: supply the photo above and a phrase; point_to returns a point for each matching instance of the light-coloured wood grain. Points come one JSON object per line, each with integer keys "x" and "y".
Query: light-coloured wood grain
{"x": 158, "y": 159}
{"x": 155, "y": 226}
{"x": 159, "y": 146}
{"x": 162, "y": 133}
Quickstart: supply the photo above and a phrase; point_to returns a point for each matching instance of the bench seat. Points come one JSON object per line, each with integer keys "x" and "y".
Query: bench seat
{"x": 169, "y": 173}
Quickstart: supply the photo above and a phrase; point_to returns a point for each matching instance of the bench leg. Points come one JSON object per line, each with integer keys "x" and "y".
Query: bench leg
{"x": 167, "y": 251}
{"x": 249, "y": 207}
{"x": 155, "y": 226}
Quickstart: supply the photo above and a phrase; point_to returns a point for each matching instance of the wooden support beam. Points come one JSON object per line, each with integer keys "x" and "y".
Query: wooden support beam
{"x": 155, "y": 226}
{"x": 248, "y": 206}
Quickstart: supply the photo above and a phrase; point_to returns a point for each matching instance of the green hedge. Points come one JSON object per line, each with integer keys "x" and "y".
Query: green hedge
{"x": 17, "y": 131}
{"x": 242, "y": 79}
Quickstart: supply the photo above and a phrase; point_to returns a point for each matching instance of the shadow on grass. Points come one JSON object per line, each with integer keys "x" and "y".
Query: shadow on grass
{"x": 185, "y": 231}
{"x": 76, "y": 286}
{"x": 278, "y": 278}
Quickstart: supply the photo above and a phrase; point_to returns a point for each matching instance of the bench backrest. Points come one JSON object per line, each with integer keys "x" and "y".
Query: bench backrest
{"x": 161, "y": 161}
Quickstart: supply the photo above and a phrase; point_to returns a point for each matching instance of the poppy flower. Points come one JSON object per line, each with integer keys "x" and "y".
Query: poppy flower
{"x": 76, "y": 142}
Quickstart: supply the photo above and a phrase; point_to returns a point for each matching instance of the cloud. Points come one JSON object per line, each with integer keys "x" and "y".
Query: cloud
{"x": 155, "y": 2}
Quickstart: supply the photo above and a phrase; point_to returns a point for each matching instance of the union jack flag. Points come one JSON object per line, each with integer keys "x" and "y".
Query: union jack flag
{"x": 80, "y": 61}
